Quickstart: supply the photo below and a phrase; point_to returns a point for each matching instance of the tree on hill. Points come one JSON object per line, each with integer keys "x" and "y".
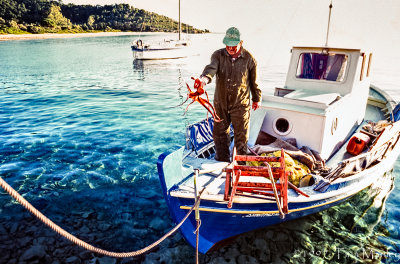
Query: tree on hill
{"x": 55, "y": 19}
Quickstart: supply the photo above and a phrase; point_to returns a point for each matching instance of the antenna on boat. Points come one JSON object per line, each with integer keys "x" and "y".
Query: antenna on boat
{"x": 179, "y": 27}
{"x": 329, "y": 22}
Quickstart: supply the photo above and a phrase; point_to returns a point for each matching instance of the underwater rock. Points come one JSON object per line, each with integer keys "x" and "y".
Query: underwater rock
{"x": 107, "y": 260}
{"x": 261, "y": 244}
{"x": 73, "y": 260}
{"x": 84, "y": 230}
{"x": 14, "y": 228}
{"x": 306, "y": 242}
{"x": 24, "y": 241}
{"x": 281, "y": 237}
{"x": 158, "y": 224}
{"x": 88, "y": 213}
{"x": 316, "y": 260}
{"x": 97, "y": 179}
{"x": 3, "y": 230}
{"x": 34, "y": 252}
{"x": 5, "y": 255}
{"x": 232, "y": 253}
{"x": 40, "y": 203}
{"x": 69, "y": 177}
{"x": 142, "y": 202}
{"x": 138, "y": 232}
{"x": 104, "y": 226}
{"x": 149, "y": 193}
{"x": 221, "y": 260}
{"x": 269, "y": 235}
{"x": 31, "y": 230}
{"x": 245, "y": 259}
{"x": 179, "y": 254}
{"x": 100, "y": 216}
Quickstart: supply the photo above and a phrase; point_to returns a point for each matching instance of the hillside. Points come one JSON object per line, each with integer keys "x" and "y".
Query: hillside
{"x": 45, "y": 16}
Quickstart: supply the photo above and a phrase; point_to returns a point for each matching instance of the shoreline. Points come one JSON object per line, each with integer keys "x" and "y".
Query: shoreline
{"x": 10, "y": 37}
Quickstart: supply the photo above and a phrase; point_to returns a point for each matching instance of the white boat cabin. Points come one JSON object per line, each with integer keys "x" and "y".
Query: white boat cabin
{"x": 323, "y": 100}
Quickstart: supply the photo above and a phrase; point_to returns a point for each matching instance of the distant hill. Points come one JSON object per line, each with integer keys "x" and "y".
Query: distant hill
{"x": 45, "y": 16}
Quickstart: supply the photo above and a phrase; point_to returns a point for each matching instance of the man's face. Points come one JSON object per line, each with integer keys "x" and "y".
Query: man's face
{"x": 232, "y": 50}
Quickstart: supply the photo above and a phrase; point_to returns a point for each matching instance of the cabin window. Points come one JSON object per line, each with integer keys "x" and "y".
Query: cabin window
{"x": 319, "y": 66}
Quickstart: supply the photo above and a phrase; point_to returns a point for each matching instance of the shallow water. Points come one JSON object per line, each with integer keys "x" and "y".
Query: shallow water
{"x": 81, "y": 128}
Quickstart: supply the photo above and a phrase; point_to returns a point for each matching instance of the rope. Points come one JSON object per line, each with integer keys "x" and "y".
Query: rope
{"x": 198, "y": 223}
{"x": 198, "y": 172}
{"x": 78, "y": 241}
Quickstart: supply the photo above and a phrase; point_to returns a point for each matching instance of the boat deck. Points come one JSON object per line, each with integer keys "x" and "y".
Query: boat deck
{"x": 215, "y": 184}
{"x": 212, "y": 176}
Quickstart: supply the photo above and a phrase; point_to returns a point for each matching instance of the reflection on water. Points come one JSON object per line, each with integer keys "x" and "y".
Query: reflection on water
{"x": 138, "y": 68}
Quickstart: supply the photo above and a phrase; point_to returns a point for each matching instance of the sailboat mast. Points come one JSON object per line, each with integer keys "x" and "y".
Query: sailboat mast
{"x": 179, "y": 28}
{"x": 329, "y": 22}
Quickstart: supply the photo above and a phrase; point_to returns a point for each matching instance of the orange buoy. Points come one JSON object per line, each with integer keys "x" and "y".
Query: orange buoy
{"x": 357, "y": 143}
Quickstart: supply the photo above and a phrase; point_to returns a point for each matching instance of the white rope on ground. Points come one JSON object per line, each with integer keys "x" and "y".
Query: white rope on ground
{"x": 78, "y": 241}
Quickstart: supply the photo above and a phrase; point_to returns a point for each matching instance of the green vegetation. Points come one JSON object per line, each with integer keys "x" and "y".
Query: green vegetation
{"x": 50, "y": 16}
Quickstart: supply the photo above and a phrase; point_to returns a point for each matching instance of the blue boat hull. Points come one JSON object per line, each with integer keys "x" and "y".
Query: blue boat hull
{"x": 219, "y": 226}
{"x": 219, "y": 223}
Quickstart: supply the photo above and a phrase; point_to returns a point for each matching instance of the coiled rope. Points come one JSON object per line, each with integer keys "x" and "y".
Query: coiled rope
{"x": 78, "y": 241}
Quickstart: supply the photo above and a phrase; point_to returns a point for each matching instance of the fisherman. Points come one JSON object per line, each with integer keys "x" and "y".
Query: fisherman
{"x": 236, "y": 71}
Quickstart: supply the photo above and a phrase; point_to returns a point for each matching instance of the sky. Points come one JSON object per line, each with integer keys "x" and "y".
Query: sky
{"x": 369, "y": 24}
{"x": 298, "y": 18}
{"x": 218, "y": 14}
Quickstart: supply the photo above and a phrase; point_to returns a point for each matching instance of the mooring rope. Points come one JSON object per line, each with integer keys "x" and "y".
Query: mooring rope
{"x": 78, "y": 241}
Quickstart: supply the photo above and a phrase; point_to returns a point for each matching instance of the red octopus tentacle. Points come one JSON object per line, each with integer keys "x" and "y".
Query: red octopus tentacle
{"x": 187, "y": 98}
{"x": 188, "y": 106}
{"x": 187, "y": 85}
{"x": 210, "y": 108}
{"x": 211, "y": 105}
{"x": 207, "y": 96}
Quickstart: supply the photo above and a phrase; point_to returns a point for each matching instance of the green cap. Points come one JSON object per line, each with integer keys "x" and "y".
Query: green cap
{"x": 232, "y": 37}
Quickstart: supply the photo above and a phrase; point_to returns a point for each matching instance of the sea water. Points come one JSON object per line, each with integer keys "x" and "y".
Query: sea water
{"x": 81, "y": 128}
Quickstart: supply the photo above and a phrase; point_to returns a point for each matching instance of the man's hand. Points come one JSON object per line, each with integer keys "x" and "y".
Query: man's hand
{"x": 255, "y": 105}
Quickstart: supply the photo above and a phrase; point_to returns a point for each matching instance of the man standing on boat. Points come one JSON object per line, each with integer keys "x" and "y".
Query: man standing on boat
{"x": 236, "y": 77}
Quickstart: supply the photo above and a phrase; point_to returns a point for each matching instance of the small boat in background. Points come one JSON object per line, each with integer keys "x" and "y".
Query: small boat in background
{"x": 328, "y": 116}
{"x": 165, "y": 49}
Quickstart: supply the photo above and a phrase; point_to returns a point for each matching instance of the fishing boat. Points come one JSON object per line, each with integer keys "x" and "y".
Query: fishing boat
{"x": 161, "y": 50}
{"x": 328, "y": 115}
{"x": 164, "y": 49}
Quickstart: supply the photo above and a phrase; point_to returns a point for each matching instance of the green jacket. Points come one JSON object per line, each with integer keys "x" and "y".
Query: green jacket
{"x": 235, "y": 80}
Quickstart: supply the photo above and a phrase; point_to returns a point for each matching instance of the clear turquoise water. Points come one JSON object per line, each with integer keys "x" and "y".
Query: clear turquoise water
{"x": 82, "y": 126}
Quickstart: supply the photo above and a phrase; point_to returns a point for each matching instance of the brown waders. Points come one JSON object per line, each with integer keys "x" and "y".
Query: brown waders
{"x": 239, "y": 117}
